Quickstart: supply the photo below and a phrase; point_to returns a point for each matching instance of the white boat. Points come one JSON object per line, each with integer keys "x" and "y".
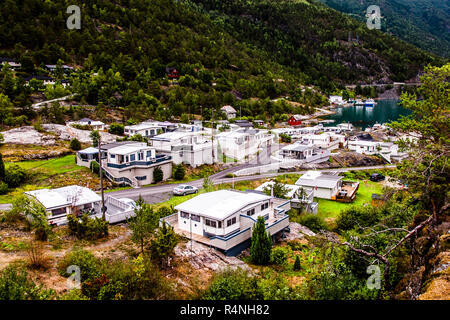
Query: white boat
{"x": 369, "y": 103}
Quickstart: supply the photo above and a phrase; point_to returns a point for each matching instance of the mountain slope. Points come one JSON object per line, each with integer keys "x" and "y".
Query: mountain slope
{"x": 223, "y": 50}
{"x": 424, "y": 23}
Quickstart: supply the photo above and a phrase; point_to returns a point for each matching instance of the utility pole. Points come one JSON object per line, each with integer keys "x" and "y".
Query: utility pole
{"x": 212, "y": 134}
{"x": 101, "y": 174}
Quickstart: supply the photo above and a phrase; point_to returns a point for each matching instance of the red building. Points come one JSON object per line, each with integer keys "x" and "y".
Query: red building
{"x": 172, "y": 73}
{"x": 294, "y": 120}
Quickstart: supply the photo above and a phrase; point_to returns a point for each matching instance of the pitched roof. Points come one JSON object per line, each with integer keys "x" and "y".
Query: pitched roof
{"x": 228, "y": 109}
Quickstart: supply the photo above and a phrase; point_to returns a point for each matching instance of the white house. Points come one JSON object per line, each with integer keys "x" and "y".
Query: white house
{"x": 305, "y": 152}
{"x": 348, "y": 127}
{"x": 224, "y": 219}
{"x": 58, "y": 203}
{"x": 96, "y": 125}
{"x": 325, "y": 186}
{"x": 321, "y": 141}
{"x": 134, "y": 163}
{"x": 194, "y": 148}
{"x": 229, "y": 111}
{"x": 328, "y": 186}
{"x": 336, "y": 100}
{"x": 45, "y": 80}
{"x": 242, "y": 143}
{"x": 11, "y": 62}
{"x": 364, "y": 146}
{"x": 145, "y": 129}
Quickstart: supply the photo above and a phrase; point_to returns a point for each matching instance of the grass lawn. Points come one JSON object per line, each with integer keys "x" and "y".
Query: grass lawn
{"x": 331, "y": 209}
{"x": 52, "y": 173}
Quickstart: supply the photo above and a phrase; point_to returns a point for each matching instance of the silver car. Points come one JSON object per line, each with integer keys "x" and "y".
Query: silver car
{"x": 184, "y": 189}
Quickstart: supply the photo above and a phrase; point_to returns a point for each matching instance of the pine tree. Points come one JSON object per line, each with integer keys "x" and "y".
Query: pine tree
{"x": 2, "y": 168}
{"x": 261, "y": 243}
{"x": 164, "y": 244}
{"x": 297, "y": 265}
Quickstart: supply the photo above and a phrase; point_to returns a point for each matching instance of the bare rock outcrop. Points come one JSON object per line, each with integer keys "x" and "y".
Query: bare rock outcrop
{"x": 51, "y": 134}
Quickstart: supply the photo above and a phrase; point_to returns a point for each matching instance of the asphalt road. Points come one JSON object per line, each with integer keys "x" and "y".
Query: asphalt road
{"x": 161, "y": 193}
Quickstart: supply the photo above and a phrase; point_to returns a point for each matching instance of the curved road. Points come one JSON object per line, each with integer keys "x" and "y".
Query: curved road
{"x": 156, "y": 194}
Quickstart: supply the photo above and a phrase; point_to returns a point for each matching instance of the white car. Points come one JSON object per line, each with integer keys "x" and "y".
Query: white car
{"x": 184, "y": 189}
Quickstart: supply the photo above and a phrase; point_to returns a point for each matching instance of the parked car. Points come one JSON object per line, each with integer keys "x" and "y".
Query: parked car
{"x": 184, "y": 189}
{"x": 376, "y": 177}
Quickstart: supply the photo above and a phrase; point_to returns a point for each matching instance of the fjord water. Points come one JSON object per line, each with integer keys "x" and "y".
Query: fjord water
{"x": 363, "y": 117}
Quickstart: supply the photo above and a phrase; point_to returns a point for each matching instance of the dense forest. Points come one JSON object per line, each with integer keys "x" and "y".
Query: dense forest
{"x": 225, "y": 52}
{"x": 424, "y": 23}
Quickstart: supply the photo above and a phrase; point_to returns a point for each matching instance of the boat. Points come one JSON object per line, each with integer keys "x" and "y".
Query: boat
{"x": 359, "y": 102}
{"x": 369, "y": 103}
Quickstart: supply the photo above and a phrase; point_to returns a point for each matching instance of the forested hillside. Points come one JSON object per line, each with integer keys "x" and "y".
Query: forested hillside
{"x": 424, "y": 23}
{"x": 226, "y": 52}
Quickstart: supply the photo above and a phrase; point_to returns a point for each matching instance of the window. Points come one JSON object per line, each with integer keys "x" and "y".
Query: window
{"x": 211, "y": 223}
{"x": 251, "y": 212}
{"x": 219, "y": 224}
{"x": 184, "y": 215}
{"x": 195, "y": 217}
{"x": 140, "y": 155}
{"x": 113, "y": 156}
{"x": 231, "y": 221}
{"x": 132, "y": 157}
{"x": 59, "y": 211}
{"x": 149, "y": 154}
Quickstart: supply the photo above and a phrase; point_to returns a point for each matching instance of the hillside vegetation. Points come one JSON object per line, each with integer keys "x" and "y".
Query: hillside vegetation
{"x": 424, "y": 23}
{"x": 225, "y": 52}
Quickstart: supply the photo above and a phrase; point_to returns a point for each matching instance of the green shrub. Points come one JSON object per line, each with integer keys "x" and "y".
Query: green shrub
{"x": 86, "y": 261}
{"x": 95, "y": 167}
{"x": 15, "y": 176}
{"x": 3, "y": 187}
{"x": 85, "y": 227}
{"x": 261, "y": 243}
{"x": 116, "y": 128}
{"x": 179, "y": 172}
{"x": 75, "y": 144}
{"x": 297, "y": 265}
{"x": 15, "y": 285}
{"x": 234, "y": 285}
{"x": 279, "y": 256}
{"x": 158, "y": 175}
{"x": 313, "y": 222}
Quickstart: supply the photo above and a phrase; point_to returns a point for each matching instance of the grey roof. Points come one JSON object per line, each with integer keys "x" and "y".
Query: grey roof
{"x": 322, "y": 181}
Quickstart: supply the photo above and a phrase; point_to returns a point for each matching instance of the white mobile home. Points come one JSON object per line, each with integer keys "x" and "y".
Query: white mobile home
{"x": 224, "y": 219}
{"x": 58, "y": 203}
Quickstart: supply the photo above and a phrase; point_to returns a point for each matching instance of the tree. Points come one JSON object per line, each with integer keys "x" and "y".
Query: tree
{"x": 279, "y": 190}
{"x": 75, "y": 144}
{"x": 261, "y": 243}
{"x": 35, "y": 214}
{"x": 164, "y": 244}
{"x": 297, "y": 265}
{"x": 6, "y": 108}
{"x": 15, "y": 176}
{"x": 143, "y": 225}
{"x": 2, "y": 168}
{"x": 116, "y": 128}
{"x": 95, "y": 136}
{"x": 158, "y": 175}
{"x": 179, "y": 172}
